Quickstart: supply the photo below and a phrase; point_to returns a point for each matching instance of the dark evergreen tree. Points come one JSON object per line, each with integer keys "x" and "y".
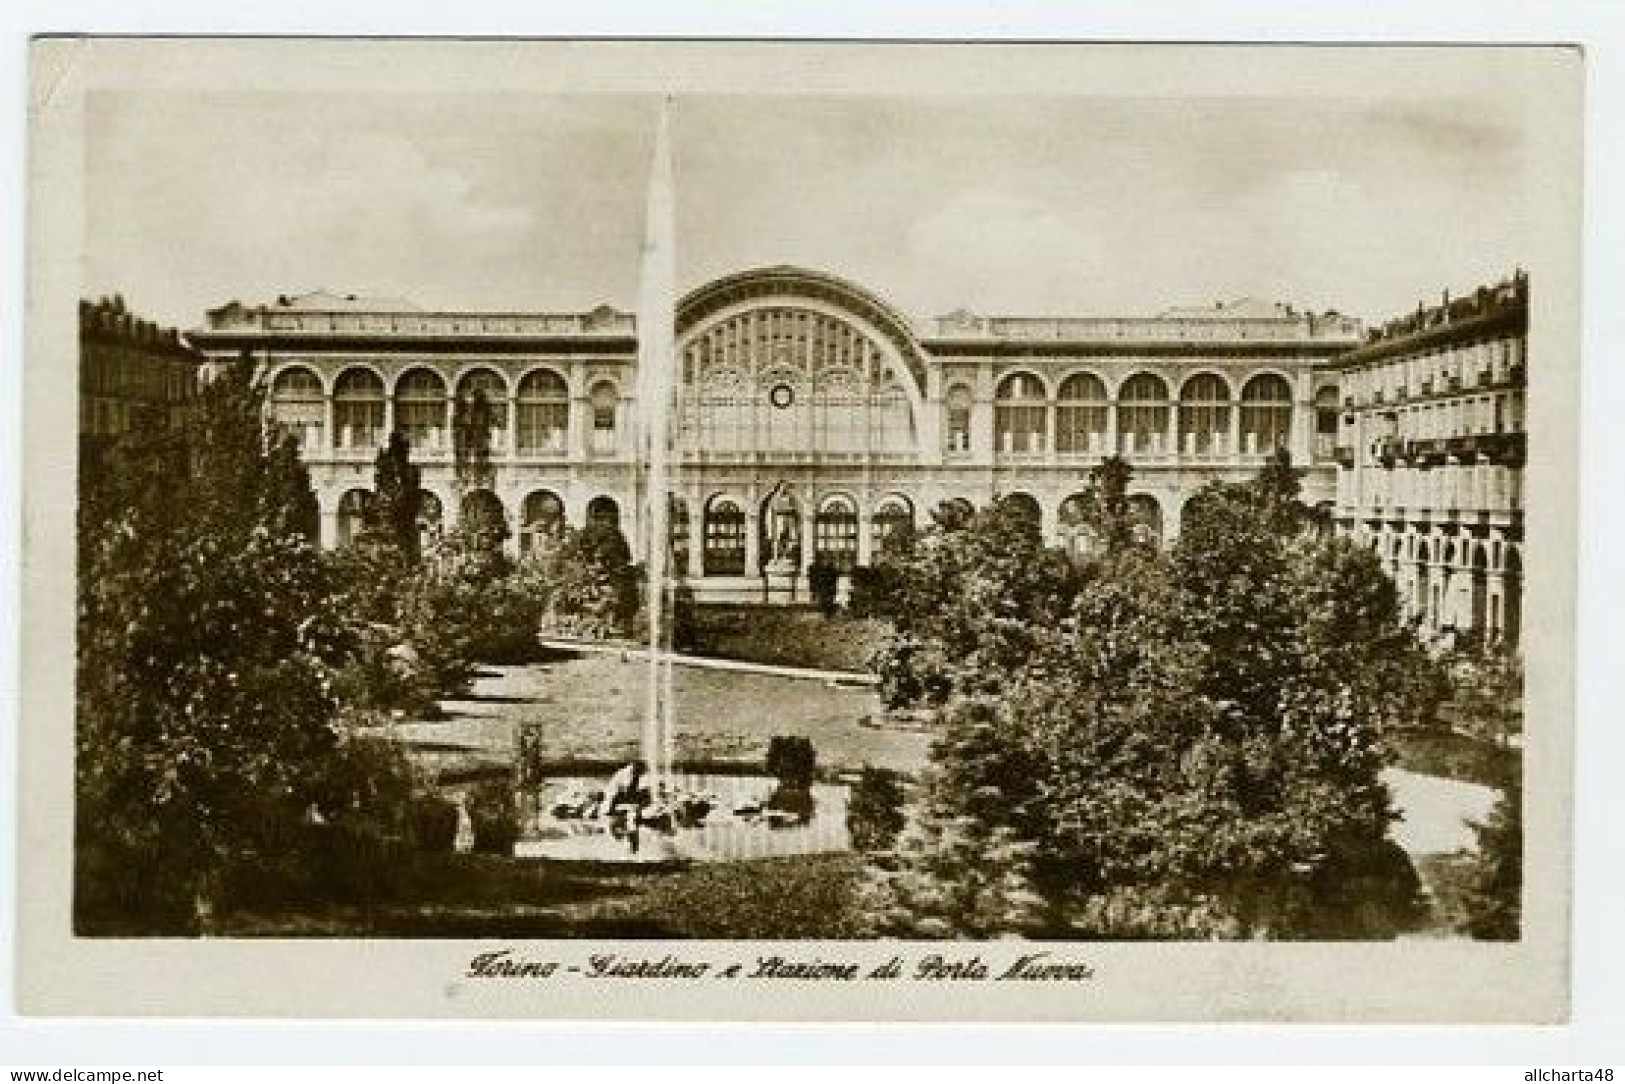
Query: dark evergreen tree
{"x": 1107, "y": 516}
{"x": 471, "y": 440}
{"x": 397, "y": 499}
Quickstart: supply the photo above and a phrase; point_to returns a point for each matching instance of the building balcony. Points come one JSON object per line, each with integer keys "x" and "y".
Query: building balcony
{"x": 1027, "y": 458}
{"x": 1507, "y": 449}
{"x": 1425, "y": 452}
{"x": 542, "y": 454}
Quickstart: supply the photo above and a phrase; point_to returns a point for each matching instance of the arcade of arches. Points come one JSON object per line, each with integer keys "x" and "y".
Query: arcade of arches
{"x": 812, "y": 420}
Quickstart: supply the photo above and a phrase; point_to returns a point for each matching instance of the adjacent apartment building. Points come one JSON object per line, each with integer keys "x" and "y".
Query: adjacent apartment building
{"x": 132, "y": 373}
{"x": 1431, "y": 449}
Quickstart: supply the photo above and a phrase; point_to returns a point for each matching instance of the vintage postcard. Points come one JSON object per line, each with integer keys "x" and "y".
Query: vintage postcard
{"x": 699, "y": 531}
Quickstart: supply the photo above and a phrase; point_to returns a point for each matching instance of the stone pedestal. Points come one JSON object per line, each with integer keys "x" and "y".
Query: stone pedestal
{"x": 782, "y": 574}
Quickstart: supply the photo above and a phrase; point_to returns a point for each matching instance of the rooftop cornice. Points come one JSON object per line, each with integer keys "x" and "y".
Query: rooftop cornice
{"x": 1510, "y": 319}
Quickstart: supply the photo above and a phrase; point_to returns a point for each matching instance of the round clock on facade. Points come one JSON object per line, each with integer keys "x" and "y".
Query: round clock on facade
{"x": 781, "y": 396}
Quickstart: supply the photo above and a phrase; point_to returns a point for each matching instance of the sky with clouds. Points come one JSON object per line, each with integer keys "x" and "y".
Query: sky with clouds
{"x": 1057, "y": 205}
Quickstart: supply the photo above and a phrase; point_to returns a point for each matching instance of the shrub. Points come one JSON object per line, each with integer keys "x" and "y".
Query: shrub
{"x": 1494, "y": 882}
{"x": 496, "y": 821}
{"x": 434, "y": 825}
{"x": 205, "y": 640}
{"x": 383, "y": 673}
{"x": 794, "y": 800}
{"x": 595, "y": 586}
{"x": 374, "y": 810}
{"x": 823, "y": 581}
{"x": 874, "y": 813}
{"x": 870, "y": 591}
{"x": 913, "y": 672}
{"x": 792, "y": 760}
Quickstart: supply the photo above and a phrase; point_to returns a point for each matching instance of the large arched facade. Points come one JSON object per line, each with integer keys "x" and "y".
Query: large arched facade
{"x": 783, "y": 364}
{"x": 793, "y": 388}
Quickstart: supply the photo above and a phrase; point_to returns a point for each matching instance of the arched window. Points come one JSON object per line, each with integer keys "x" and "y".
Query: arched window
{"x": 483, "y": 518}
{"x": 430, "y": 513}
{"x": 893, "y": 519}
{"x": 605, "y": 404}
{"x": 352, "y": 517}
{"x": 1080, "y": 415}
{"x": 1023, "y": 504}
{"x": 835, "y": 533}
{"x": 721, "y": 411}
{"x": 540, "y": 517}
{"x": 298, "y": 406}
{"x": 1142, "y": 415}
{"x": 490, "y": 384}
{"x": 482, "y": 391}
{"x": 956, "y": 433}
{"x": 1204, "y": 416}
{"x": 1020, "y": 414}
{"x": 1326, "y": 423}
{"x": 838, "y": 409}
{"x": 544, "y": 413}
{"x": 1147, "y": 516}
{"x": 1077, "y": 535}
{"x": 1266, "y": 414}
{"x": 358, "y": 409}
{"x": 1512, "y": 611}
{"x": 1420, "y": 592}
{"x": 604, "y": 512}
{"x": 1478, "y": 588}
{"x": 785, "y": 379}
{"x": 724, "y": 538}
{"x": 677, "y": 527}
{"x": 891, "y": 420}
{"x": 420, "y": 409}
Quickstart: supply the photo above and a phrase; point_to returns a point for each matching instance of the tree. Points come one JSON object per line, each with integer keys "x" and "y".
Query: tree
{"x": 823, "y": 584}
{"x": 1308, "y": 664}
{"x": 958, "y": 869}
{"x": 204, "y": 708}
{"x": 1189, "y": 747}
{"x": 968, "y": 603}
{"x": 874, "y": 811}
{"x": 397, "y": 500}
{"x": 1492, "y": 900}
{"x": 1486, "y": 691}
{"x": 595, "y": 585}
{"x": 471, "y": 440}
{"x": 1106, "y": 514}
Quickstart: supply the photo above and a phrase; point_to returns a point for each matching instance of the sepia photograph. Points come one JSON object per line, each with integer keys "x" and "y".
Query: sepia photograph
{"x": 705, "y": 507}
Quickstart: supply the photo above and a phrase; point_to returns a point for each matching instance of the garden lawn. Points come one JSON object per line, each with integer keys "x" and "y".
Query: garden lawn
{"x": 785, "y": 636}
{"x": 474, "y": 896}
{"x": 591, "y": 707}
